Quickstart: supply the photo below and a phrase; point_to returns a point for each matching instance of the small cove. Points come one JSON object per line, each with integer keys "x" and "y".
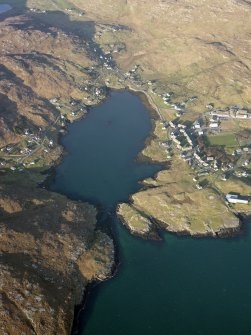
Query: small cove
{"x": 178, "y": 286}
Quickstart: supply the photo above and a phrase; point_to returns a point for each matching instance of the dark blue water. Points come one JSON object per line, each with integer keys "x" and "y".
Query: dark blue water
{"x": 4, "y": 8}
{"x": 102, "y": 149}
{"x": 181, "y": 286}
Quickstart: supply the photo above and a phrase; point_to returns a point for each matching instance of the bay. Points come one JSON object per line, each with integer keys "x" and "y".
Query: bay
{"x": 180, "y": 286}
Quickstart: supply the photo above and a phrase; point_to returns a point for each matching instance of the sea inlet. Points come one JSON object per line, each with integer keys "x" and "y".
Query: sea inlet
{"x": 179, "y": 286}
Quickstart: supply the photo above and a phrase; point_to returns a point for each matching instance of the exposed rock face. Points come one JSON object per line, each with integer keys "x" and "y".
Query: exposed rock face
{"x": 49, "y": 251}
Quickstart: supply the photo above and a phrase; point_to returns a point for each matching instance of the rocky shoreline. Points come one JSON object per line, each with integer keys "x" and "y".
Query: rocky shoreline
{"x": 48, "y": 259}
{"x": 150, "y": 233}
{"x": 80, "y": 308}
{"x": 155, "y": 230}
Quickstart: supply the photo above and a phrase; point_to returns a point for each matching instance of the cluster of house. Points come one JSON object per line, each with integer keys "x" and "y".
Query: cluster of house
{"x": 104, "y": 56}
{"x": 245, "y": 150}
{"x": 167, "y": 146}
{"x": 180, "y": 107}
{"x": 116, "y": 47}
{"x": 75, "y": 108}
{"x": 177, "y": 133}
{"x": 214, "y": 122}
{"x": 198, "y": 128}
{"x": 200, "y": 160}
{"x": 166, "y": 98}
{"x": 7, "y": 148}
{"x": 55, "y": 102}
{"x": 73, "y": 10}
{"x": 187, "y": 146}
{"x": 26, "y": 149}
{"x": 185, "y": 139}
{"x": 30, "y": 138}
{"x": 233, "y": 112}
{"x": 132, "y": 72}
{"x": 105, "y": 59}
{"x": 35, "y": 10}
{"x": 190, "y": 153}
{"x": 241, "y": 173}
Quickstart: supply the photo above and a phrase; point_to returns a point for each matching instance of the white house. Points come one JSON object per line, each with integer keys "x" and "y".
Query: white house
{"x": 234, "y": 199}
{"x": 171, "y": 124}
{"x": 197, "y": 125}
{"x": 214, "y": 125}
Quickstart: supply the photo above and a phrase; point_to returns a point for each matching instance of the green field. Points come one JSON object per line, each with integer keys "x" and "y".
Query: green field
{"x": 227, "y": 140}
